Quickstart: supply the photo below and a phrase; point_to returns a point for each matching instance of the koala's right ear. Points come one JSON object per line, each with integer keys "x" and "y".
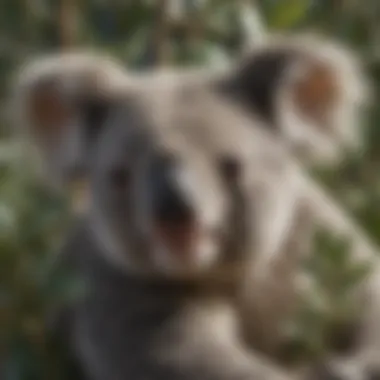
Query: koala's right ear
{"x": 60, "y": 101}
{"x": 310, "y": 90}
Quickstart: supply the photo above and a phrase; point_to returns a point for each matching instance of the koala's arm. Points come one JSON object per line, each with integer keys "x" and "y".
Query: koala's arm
{"x": 204, "y": 345}
{"x": 325, "y": 212}
{"x": 126, "y": 329}
{"x": 196, "y": 343}
{"x": 268, "y": 302}
{"x": 363, "y": 360}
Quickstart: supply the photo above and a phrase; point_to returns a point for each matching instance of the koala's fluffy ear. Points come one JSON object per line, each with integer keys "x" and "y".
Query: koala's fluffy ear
{"x": 59, "y": 102}
{"x": 310, "y": 90}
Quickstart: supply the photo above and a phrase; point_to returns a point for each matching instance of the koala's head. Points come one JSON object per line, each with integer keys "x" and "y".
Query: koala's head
{"x": 311, "y": 91}
{"x": 182, "y": 179}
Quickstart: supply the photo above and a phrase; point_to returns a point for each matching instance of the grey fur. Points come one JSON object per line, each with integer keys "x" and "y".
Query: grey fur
{"x": 267, "y": 76}
{"x": 115, "y": 330}
{"x": 149, "y": 318}
{"x": 270, "y": 300}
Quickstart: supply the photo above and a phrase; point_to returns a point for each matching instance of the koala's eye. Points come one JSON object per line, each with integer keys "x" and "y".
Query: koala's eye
{"x": 119, "y": 177}
{"x": 230, "y": 168}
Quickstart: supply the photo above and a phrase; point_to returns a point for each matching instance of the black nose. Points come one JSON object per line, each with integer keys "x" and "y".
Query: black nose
{"x": 170, "y": 204}
{"x": 171, "y": 208}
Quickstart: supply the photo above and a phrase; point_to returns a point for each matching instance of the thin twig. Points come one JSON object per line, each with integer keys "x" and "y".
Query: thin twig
{"x": 67, "y": 23}
{"x": 161, "y": 30}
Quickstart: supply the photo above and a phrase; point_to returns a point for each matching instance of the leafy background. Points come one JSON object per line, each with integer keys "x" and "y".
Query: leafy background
{"x": 144, "y": 34}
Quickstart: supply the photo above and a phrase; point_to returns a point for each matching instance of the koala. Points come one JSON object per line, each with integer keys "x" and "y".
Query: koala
{"x": 247, "y": 209}
{"x": 181, "y": 186}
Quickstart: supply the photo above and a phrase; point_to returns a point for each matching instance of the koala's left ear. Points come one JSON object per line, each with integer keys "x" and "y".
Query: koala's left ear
{"x": 60, "y": 101}
{"x": 310, "y": 90}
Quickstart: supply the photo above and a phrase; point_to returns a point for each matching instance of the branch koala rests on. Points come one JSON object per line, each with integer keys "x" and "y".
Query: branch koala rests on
{"x": 187, "y": 185}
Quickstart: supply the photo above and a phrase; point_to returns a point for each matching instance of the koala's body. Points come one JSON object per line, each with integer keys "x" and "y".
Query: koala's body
{"x": 179, "y": 179}
{"x": 192, "y": 196}
{"x": 131, "y": 326}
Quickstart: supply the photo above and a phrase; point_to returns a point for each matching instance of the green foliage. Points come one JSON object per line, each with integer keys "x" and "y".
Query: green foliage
{"x": 32, "y": 220}
{"x": 287, "y": 14}
{"x": 326, "y": 308}
{"x": 31, "y": 224}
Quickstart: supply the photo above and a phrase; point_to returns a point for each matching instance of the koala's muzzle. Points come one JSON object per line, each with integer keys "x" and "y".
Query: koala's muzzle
{"x": 174, "y": 218}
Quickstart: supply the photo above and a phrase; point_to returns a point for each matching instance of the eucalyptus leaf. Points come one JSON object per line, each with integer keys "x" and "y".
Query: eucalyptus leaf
{"x": 287, "y": 13}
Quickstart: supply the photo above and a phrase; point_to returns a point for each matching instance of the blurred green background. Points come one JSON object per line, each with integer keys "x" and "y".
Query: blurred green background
{"x": 144, "y": 34}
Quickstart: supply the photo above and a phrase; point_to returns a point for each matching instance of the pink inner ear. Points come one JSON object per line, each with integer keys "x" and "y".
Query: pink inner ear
{"x": 316, "y": 93}
{"x": 49, "y": 112}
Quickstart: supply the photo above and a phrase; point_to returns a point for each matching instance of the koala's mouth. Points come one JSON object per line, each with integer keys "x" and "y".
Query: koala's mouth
{"x": 183, "y": 247}
{"x": 180, "y": 238}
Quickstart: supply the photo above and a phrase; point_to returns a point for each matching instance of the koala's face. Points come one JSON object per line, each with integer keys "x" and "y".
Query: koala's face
{"x": 184, "y": 178}
{"x": 171, "y": 181}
